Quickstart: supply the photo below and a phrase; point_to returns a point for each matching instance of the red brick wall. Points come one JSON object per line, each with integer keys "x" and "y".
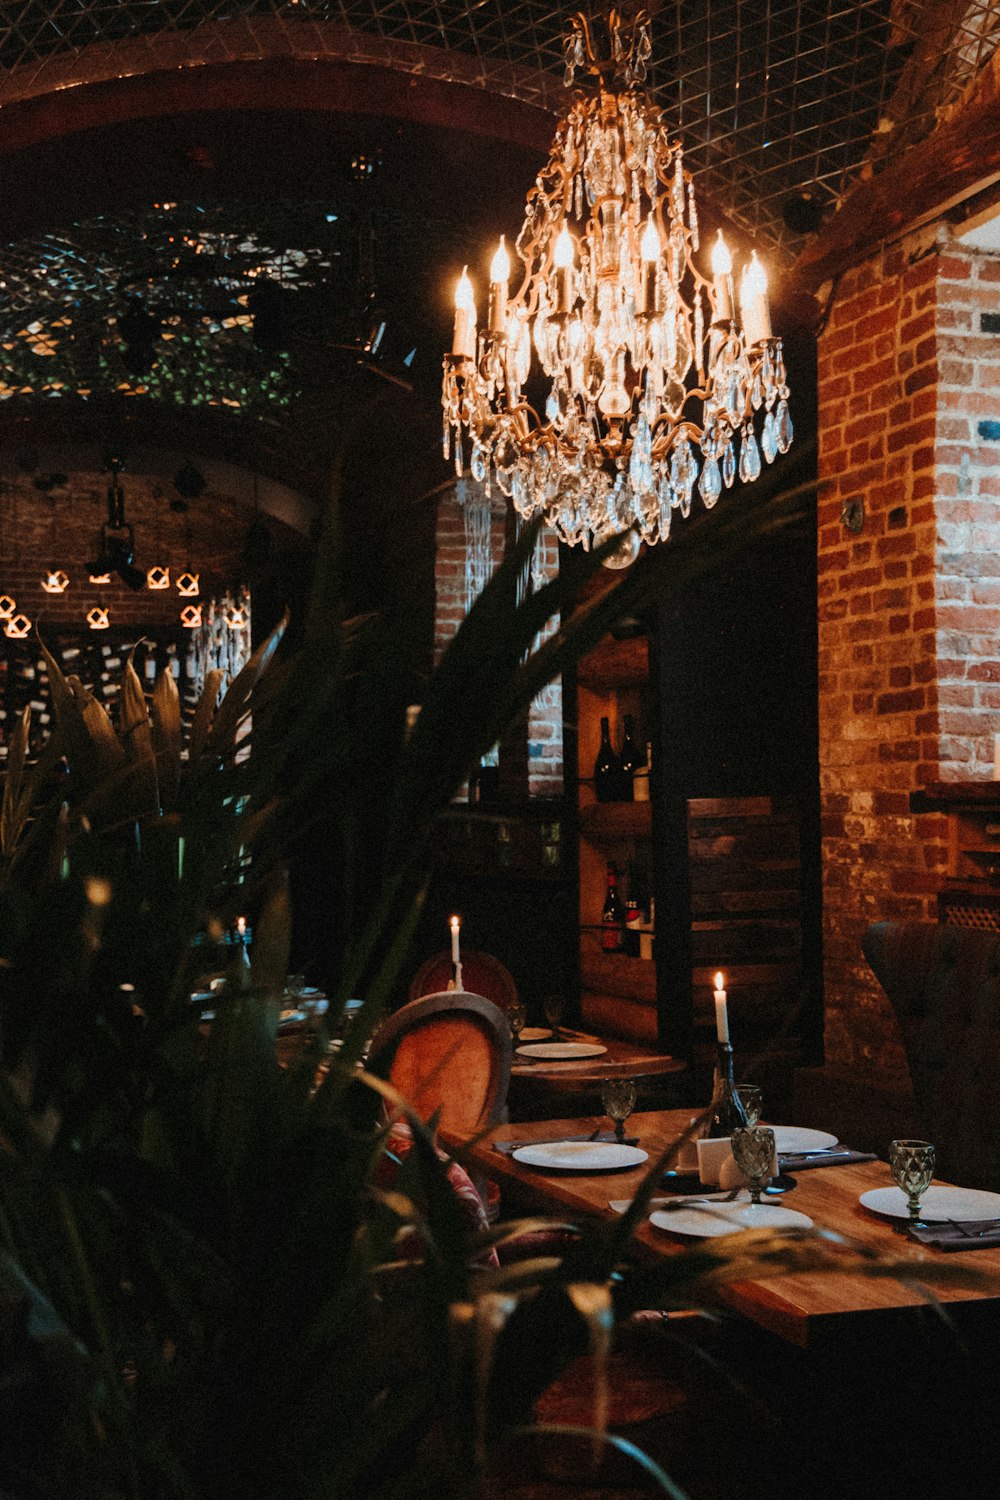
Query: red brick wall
{"x": 543, "y": 729}
{"x": 909, "y": 608}
{"x": 30, "y": 543}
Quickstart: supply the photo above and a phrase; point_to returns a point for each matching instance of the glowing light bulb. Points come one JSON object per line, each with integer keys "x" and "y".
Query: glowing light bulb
{"x": 464, "y": 300}
{"x": 500, "y": 264}
{"x": 649, "y": 245}
{"x": 753, "y": 303}
{"x": 463, "y": 343}
{"x": 722, "y": 261}
{"x": 562, "y": 250}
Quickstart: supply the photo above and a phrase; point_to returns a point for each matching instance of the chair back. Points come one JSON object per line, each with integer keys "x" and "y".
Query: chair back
{"x": 943, "y": 984}
{"x": 448, "y": 1052}
{"x": 482, "y": 974}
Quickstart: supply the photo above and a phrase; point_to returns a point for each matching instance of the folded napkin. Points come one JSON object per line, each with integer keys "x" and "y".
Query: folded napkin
{"x": 836, "y": 1157}
{"x": 509, "y": 1147}
{"x": 974, "y": 1234}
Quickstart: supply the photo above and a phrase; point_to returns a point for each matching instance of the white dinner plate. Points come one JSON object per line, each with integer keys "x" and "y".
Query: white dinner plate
{"x": 717, "y": 1219}
{"x": 534, "y": 1033}
{"x": 938, "y": 1204}
{"x": 562, "y": 1051}
{"x": 788, "y": 1139}
{"x": 581, "y": 1156}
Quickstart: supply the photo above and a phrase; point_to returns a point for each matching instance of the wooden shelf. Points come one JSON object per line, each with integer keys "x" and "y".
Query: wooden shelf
{"x": 606, "y": 821}
{"x": 615, "y": 664}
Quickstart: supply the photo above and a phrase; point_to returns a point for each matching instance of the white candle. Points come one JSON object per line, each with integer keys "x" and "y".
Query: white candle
{"x": 649, "y": 248}
{"x": 562, "y": 259}
{"x": 455, "y": 925}
{"x": 721, "y": 1013}
{"x": 463, "y": 342}
{"x": 722, "y": 273}
{"x": 499, "y": 276}
{"x": 753, "y": 303}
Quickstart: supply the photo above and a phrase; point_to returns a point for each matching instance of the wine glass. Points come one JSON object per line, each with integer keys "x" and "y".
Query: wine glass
{"x": 752, "y": 1100}
{"x": 753, "y": 1148}
{"x": 516, "y": 1017}
{"x": 553, "y": 1008}
{"x": 912, "y": 1164}
{"x": 618, "y": 1099}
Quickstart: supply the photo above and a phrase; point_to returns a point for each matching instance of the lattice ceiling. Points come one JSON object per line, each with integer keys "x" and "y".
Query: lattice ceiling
{"x": 771, "y": 97}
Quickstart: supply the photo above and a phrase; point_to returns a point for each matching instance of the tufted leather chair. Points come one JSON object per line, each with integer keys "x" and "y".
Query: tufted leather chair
{"x": 943, "y": 984}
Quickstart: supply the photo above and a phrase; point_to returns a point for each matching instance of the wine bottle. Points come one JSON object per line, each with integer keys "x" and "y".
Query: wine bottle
{"x": 613, "y": 915}
{"x": 727, "y": 1106}
{"x": 605, "y": 767}
{"x": 629, "y": 760}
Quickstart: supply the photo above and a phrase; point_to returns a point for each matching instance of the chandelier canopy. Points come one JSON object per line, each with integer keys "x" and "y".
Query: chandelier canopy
{"x": 658, "y": 379}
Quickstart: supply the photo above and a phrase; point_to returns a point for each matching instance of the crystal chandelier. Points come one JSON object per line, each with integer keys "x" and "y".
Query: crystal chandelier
{"x": 659, "y": 381}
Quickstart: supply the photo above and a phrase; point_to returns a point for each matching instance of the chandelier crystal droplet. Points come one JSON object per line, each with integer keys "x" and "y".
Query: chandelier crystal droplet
{"x": 659, "y": 377}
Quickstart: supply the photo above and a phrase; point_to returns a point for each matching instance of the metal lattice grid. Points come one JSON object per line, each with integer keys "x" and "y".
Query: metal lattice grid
{"x": 770, "y": 96}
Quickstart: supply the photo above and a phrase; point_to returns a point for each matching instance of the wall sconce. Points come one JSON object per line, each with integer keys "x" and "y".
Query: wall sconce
{"x": 191, "y": 616}
{"x": 8, "y": 607}
{"x": 187, "y": 585}
{"x": 17, "y": 627}
{"x": 99, "y": 577}
{"x": 55, "y": 581}
{"x": 97, "y": 618}
{"x": 236, "y": 617}
{"x": 158, "y": 578}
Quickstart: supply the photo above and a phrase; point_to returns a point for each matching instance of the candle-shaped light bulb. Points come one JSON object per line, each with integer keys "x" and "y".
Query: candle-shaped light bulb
{"x": 500, "y": 264}
{"x": 562, "y": 250}
{"x": 455, "y": 925}
{"x": 753, "y": 303}
{"x": 649, "y": 249}
{"x": 562, "y": 259}
{"x": 721, "y": 1011}
{"x": 649, "y": 245}
{"x": 722, "y": 272}
{"x": 464, "y": 340}
{"x": 499, "y": 275}
{"x": 722, "y": 261}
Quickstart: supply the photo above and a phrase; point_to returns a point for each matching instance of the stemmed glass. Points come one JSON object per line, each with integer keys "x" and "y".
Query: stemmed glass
{"x": 912, "y": 1164}
{"x": 553, "y": 1008}
{"x": 752, "y": 1100}
{"x": 618, "y": 1099}
{"x": 516, "y": 1017}
{"x": 753, "y": 1148}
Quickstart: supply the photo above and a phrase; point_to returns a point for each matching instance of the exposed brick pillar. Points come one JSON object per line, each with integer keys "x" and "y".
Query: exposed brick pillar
{"x": 539, "y": 750}
{"x": 909, "y": 606}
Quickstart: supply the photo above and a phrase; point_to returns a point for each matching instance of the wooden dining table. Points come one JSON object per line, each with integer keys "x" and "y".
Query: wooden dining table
{"x": 804, "y": 1308}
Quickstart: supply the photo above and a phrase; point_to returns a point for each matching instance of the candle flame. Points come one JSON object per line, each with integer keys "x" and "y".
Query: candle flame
{"x": 649, "y": 245}
{"x": 500, "y": 264}
{"x": 463, "y": 292}
{"x": 562, "y": 251}
{"x": 455, "y": 923}
{"x": 722, "y": 261}
{"x": 241, "y": 925}
{"x": 720, "y": 980}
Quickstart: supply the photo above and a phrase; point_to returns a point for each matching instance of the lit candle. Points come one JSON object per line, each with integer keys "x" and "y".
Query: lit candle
{"x": 721, "y": 1013}
{"x": 499, "y": 275}
{"x": 455, "y": 924}
{"x": 464, "y": 341}
{"x": 722, "y": 271}
{"x": 649, "y": 248}
{"x": 753, "y": 303}
{"x": 562, "y": 259}
{"x": 241, "y": 926}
